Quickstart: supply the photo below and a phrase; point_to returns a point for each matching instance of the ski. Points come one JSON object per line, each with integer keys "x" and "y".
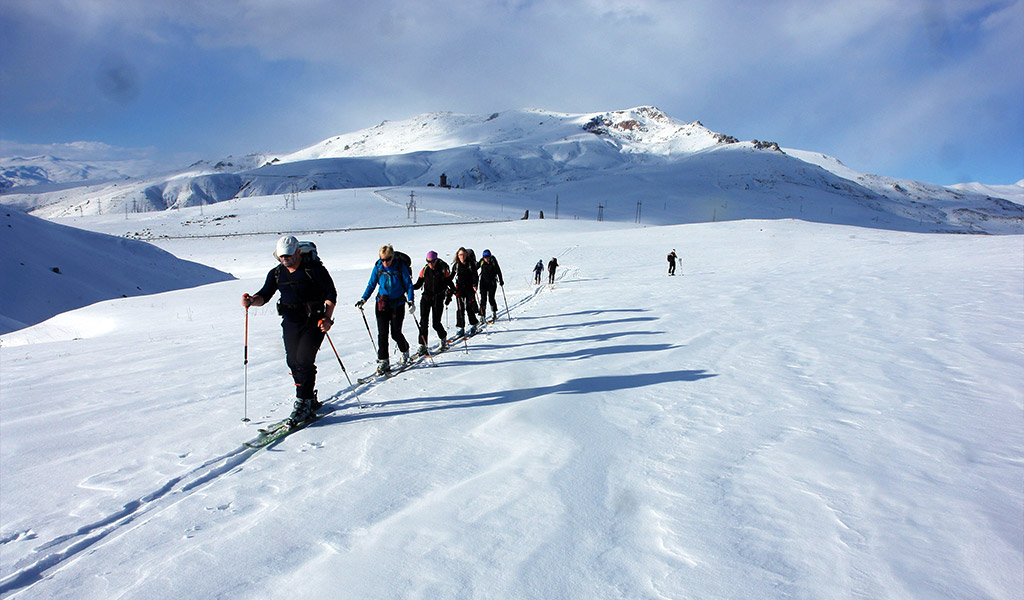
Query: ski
{"x": 277, "y": 431}
{"x": 272, "y": 428}
{"x": 458, "y": 338}
{"x": 395, "y": 371}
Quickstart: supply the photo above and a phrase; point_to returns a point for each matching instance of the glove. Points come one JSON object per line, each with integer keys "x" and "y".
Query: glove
{"x": 501, "y": 283}
{"x": 360, "y": 303}
{"x": 412, "y": 307}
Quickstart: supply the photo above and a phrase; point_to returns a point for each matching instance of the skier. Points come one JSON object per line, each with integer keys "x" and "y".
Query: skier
{"x": 537, "y": 270}
{"x": 435, "y": 279}
{"x": 308, "y": 298}
{"x": 465, "y": 280}
{"x": 393, "y": 275}
{"x": 552, "y": 265}
{"x": 490, "y": 279}
{"x": 672, "y": 262}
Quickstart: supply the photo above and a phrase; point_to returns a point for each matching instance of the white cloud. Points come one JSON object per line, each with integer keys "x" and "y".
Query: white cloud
{"x": 829, "y": 75}
{"x": 81, "y": 150}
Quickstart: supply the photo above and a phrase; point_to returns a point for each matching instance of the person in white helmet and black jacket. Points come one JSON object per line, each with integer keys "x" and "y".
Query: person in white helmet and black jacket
{"x": 308, "y": 298}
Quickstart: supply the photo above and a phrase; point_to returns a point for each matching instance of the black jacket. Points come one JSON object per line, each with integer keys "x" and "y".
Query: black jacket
{"x": 465, "y": 278}
{"x": 434, "y": 281}
{"x": 490, "y": 274}
{"x": 303, "y": 292}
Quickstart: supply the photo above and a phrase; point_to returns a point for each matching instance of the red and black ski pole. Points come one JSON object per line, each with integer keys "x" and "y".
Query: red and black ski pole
{"x": 245, "y": 376}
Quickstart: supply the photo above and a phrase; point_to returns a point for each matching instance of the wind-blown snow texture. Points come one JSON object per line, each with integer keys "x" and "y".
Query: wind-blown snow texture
{"x": 639, "y": 164}
{"x": 807, "y": 411}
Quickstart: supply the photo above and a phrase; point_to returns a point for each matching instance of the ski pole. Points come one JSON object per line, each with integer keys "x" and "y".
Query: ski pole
{"x": 464, "y": 308}
{"x": 508, "y": 312}
{"x": 423, "y": 338}
{"x": 368, "y": 332}
{"x": 245, "y": 375}
{"x": 358, "y": 401}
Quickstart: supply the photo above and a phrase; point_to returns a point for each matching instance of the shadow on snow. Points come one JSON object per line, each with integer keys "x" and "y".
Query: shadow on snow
{"x": 579, "y": 385}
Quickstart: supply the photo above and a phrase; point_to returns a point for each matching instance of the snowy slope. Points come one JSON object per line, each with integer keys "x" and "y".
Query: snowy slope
{"x": 807, "y": 411}
{"x": 643, "y": 129}
{"x": 50, "y": 269}
{"x": 18, "y": 171}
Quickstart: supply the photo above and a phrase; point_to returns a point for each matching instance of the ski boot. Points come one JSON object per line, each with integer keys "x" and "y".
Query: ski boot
{"x": 460, "y": 332}
{"x": 315, "y": 404}
{"x": 383, "y": 366}
{"x": 300, "y": 412}
{"x": 472, "y": 330}
{"x": 421, "y": 351}
{"x": 405, "y": 357}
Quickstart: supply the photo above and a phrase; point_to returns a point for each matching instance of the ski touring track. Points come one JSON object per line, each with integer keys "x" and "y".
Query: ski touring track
{"x": 63, "y": 550}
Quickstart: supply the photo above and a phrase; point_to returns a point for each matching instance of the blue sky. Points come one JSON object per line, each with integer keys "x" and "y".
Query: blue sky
{"x": 920, "y": 89}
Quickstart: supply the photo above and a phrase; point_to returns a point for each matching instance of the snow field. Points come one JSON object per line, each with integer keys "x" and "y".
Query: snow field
{"x": 806, "y": 411}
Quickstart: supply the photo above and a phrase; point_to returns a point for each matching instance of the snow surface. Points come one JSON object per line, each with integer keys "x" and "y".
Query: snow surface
{"x": 50, "y": 268}
{"x": 807, "y": 411}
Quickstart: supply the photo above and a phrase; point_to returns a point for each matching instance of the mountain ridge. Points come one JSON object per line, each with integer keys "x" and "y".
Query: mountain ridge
{"x": 639, "y": 154}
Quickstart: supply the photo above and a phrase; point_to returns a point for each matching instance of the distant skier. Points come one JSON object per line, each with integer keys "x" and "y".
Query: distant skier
{"x": 537, "y": 270}
{"x": 392, "y": 274}
{"x": 308, "y": 298}
{"x": 435, "y": 279}
{"x": 552, "y": 265}
{"x": 490, "y": 279}
{"x": 672, "y": 262}
{"x": 465, "y": 280}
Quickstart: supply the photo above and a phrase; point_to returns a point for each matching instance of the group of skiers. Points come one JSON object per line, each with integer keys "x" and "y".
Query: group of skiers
{"x": 539, "y": 268}
{"x": 309, "y": 298}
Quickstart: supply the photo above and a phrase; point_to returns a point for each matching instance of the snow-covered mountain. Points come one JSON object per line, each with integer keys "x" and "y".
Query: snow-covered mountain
{"x": 618, "y": 160}
{"x": 20, "y": 171}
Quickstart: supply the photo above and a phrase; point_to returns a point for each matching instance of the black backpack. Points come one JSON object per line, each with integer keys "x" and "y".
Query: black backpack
{"x": 310, "y": 261}
{"x": 403, "y": 258}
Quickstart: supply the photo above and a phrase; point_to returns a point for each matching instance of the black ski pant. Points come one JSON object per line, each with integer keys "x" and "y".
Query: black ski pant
{"x": 389, "y": 321}
{"x": 432, "y": 304}
{"x": 301, "y": 343}
{"x": 672, "y": 267}
{"x": 466, "y": 305}
{"x": 551, "y": 276}
{"x": 487, "y": 296}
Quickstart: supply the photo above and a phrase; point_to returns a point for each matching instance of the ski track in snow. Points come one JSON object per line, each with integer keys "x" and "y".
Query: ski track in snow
{"x": 633, "y": 478}
{"x": 64, "y": 549}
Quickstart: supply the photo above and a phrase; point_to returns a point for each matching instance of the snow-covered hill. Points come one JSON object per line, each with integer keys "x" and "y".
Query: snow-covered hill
{"x": 618, "y": 160}
{"x": 50, "y": 171}
{"x": 806, "y": 411}
{"x": 643, "y": 130}
{"x": 49, "y": 269}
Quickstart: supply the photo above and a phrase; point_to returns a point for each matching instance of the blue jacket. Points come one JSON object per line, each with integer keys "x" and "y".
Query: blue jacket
{"x": 395, "y": 281}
